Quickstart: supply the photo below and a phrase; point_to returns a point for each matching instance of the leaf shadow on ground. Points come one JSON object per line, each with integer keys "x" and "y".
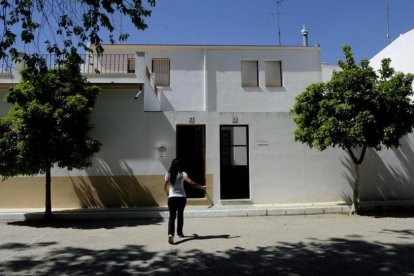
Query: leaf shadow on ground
{"x": 207, "y": 237}
{"x": 87, "y": 224}
{"x": 336, "y": 256}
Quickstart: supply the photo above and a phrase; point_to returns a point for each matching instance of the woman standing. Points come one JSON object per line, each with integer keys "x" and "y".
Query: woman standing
{"x": 177, "y": 199}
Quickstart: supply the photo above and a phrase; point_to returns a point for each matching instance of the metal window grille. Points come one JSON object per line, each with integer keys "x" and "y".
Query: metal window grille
{"x": 161, "y": 71}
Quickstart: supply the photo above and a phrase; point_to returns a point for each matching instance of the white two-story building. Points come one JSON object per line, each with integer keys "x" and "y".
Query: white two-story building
{"x": 223, "y": 109}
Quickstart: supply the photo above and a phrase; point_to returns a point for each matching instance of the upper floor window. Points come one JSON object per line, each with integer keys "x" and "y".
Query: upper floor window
{"x": 249, "y": 73}
{"x": 131, "y": 65}
{"x": 273, "y": 73}
{"x": 161, "y": 71}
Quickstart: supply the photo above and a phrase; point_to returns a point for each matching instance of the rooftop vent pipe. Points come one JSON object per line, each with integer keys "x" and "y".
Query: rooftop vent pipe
{"x": 305, "y": 36}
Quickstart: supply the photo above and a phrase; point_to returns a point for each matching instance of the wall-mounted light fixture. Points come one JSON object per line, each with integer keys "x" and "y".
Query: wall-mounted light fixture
{"x": 191, "y": 120}
{"x": 235, "y": 120}
{"x": 137, "y": 95}
{"x": 140, "y": 89}
{"x": 162, "y": 151}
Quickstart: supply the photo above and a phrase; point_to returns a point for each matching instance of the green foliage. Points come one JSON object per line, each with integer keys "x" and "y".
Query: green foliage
{"x": 358, "y": 108}
{"x": 48, "y": 123}
{"x": 75, "y": 23}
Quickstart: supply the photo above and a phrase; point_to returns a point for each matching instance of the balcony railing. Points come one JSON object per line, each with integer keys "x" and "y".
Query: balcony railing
{"x": 108, "y": 64}
{"x": 92, "y": 63}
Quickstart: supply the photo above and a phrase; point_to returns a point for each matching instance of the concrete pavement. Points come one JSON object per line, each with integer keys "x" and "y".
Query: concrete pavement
{"x": 327, "y": 244}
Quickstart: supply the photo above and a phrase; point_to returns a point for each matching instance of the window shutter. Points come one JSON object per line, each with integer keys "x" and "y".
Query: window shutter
{"x": 249, "y": 73}
{"x": 273, "y": 73}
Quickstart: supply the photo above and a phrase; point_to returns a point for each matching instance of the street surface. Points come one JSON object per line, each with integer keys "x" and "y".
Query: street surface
{"x": 261, "y": 245}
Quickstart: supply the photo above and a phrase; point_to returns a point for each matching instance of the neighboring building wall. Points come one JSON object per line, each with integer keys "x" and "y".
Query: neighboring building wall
{"x": 401, "y": 53}
{"x": 327, "y": 71}
{"x": 387, "y": 175}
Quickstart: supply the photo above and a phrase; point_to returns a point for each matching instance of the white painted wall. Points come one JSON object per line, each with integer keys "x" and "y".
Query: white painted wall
{"x": 388, "y": 174}
{"x": 327, "y": 71}
{"x": 209, "y": 78}
{"x": 284, "y": 171}
{"x": 401, "y": 52}
{"x": 300, "y": 66}
{"x": 281, "y": 171}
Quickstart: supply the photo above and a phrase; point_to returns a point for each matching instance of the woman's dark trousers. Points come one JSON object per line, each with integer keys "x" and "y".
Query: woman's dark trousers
{"x": 176, "y": 206}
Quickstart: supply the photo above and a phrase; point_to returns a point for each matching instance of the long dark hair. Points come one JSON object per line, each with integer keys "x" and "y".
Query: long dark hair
{"x": 176, "y": 167}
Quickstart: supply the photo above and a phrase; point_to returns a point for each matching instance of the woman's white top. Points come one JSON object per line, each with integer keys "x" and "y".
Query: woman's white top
{"x": 177, "y": 190}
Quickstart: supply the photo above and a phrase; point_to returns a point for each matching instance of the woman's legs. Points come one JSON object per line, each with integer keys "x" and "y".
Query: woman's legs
{"x": 172, "y": 207}
{"x": 182, "y": 201}
{"x": 176, "y": 205}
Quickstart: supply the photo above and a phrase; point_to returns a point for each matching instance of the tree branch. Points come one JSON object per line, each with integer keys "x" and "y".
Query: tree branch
{"x": 356, "y": 160}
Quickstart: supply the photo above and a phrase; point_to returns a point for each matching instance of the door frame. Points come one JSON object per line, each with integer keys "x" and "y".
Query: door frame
{"x": 246, "y": 190}
{"x": 199, "y": 177}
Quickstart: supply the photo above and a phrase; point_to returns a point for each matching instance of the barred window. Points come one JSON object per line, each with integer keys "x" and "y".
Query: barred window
{"x": 161, "y": 71}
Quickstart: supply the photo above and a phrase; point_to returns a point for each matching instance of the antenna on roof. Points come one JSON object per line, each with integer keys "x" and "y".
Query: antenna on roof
{"x": 387, "y": 14}
{"x": 278, "y": 3}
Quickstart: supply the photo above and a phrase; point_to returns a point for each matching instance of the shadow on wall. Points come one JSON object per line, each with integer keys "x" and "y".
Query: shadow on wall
{"x": 130, "y": 139}
{"x": 102, "y": 188}
{"x": 387, "y": 175}
{"x": 349, "y": 175}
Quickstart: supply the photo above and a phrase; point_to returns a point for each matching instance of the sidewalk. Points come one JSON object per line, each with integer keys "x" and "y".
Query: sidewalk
{"x": 195, "y": 211}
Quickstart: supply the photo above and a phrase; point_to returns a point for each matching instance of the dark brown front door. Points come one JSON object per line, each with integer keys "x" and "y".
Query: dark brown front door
{"x": 191, "y": 149}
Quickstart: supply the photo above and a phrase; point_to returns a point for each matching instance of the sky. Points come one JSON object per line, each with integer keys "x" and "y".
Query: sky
{"x": 330, "y": 23}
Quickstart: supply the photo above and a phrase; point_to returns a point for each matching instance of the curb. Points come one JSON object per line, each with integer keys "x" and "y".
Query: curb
{"x": 162, "y": 213}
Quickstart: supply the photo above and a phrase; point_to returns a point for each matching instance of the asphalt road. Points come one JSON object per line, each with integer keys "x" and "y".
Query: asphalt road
{"x": 269, "y": 245}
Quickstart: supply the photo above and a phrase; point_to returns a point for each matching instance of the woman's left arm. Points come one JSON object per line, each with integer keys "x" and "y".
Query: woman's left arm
{"x": 192, "y": 183}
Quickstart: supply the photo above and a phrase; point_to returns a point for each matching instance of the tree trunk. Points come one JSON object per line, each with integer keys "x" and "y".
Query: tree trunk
{"x": 355, "y": 199}
{"x": 357, "y": 162}
{"x": 48, "y": 198}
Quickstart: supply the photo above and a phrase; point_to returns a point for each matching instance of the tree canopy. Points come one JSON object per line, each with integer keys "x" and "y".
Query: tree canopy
{"x": 64, "y": 24}
{"x": 357, "y": 109}
{"x": 48, "y": 123}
